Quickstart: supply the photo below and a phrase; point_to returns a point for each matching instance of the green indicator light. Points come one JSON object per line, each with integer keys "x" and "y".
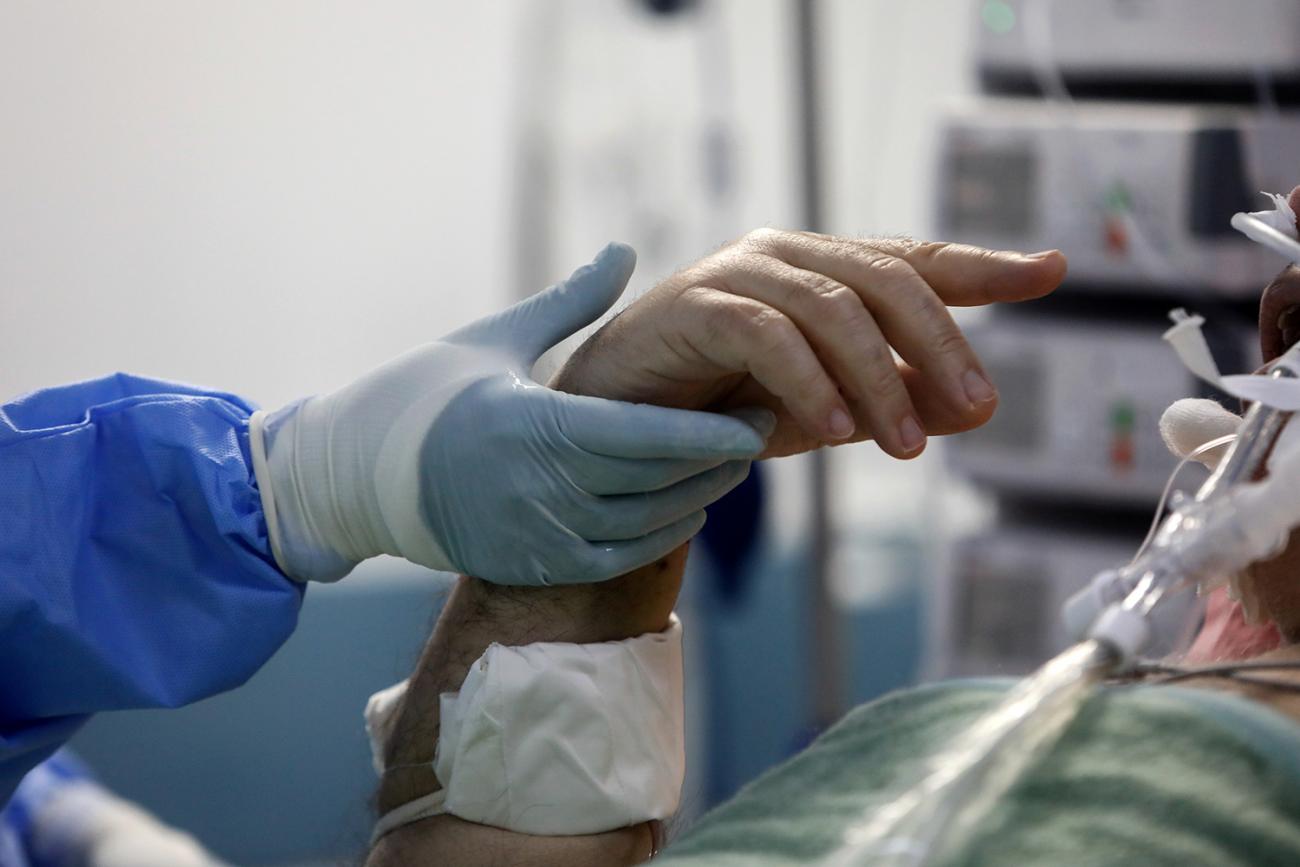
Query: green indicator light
{"x": 998, "y": 16}
{"x": 1118, "y": 199}
{"x": 1123, "y": 417}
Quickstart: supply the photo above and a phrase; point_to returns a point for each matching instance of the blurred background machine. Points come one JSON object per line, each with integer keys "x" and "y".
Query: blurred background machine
{"x": 1206, "y": 50}
{"x": 1004, "y": 579}
{"x": 1081, "y": 401}
{"x": 1139, "y": 195}
{"x": 1125, "y": 133}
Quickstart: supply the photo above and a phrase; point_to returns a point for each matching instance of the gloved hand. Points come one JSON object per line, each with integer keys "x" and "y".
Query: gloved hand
{"x": 454, "y": 458}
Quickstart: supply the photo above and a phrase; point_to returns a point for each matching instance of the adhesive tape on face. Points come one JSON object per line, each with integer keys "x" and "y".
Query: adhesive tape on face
{"x": 559, "y": 739}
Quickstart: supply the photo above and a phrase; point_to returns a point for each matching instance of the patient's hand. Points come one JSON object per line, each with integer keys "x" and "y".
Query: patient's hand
{"x": 803, "y": 324}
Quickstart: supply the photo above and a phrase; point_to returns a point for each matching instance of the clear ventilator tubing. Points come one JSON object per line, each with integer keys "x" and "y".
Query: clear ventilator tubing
{"x": 940, "y": 814}
{"x": 1240, "y": 525}
{"x": 1203, "y": 540}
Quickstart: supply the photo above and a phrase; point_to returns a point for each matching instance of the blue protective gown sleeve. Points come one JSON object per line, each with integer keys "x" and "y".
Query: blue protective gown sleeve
{"x": 135, "y": 569}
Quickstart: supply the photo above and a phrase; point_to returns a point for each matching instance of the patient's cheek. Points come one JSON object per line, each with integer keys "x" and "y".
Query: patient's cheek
{"x": 1276, "y": 583}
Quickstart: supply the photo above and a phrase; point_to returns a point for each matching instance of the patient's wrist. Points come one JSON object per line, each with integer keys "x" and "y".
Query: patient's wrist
{"x": 478, "y": 614}
{"x": 633, "y": 604}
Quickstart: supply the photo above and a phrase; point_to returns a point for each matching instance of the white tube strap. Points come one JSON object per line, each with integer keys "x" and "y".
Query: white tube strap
{"x": 427, "y": 806}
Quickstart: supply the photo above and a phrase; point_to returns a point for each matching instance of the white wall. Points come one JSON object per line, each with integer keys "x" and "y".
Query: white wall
{"x": 891, "y": 69}
{"x": 268, "y": 197}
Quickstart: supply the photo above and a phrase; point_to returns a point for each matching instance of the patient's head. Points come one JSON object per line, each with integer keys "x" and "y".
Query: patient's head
{"x": 1271, "y": 589}
{"x": 1269, "y": 592}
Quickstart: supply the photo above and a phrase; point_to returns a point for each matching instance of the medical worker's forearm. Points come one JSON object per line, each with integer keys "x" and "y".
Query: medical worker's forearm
{"x": 476, "y": 615}
{"x": 134, "y": 565}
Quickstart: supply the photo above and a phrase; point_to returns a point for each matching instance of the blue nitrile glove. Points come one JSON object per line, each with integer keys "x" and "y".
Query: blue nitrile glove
{"x": 454, "y": 458}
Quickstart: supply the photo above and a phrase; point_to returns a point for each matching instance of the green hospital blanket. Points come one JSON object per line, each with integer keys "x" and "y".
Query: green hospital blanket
{"x": 1144, "y": 776}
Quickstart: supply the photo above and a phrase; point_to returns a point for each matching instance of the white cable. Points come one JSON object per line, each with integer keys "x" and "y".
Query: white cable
{"x": 1169, "y": 486}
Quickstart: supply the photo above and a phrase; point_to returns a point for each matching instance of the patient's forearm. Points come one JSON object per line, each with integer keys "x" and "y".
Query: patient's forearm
{"x": 476, "y": 615}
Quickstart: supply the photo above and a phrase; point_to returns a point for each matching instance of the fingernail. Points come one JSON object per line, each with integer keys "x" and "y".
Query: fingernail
{"x": 841, "y": 425}
{"x": 978, "y": 389}
{"x": 1043, "y": 254}
{"x": 760, "y": 418}
{"x": 911, "y": 434}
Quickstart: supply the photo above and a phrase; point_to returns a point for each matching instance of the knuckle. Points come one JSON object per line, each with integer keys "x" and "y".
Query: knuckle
{"x": 949, "y": 341}
{"x": 839, "y": 301}
{"x": 764, "y": 239}
{"x": 886, "y": 387}
{"x": 920, "y": 304}
{"x": 727, "y": 315}
{"x": 774, "y": 330}
{"x": 695, "y": 302}
{"x": 811, "y": 283}
{"x": 925, "y": 249}
{"x": 879, "y": 355}
{"x": 810, "y": 381}
{"x": 898, "y": 245}
{"x": 891, "y": 270}
{"x": 693, "y": 296}
{"x": 882, "y": 380}
{"x": 731, "y": 270}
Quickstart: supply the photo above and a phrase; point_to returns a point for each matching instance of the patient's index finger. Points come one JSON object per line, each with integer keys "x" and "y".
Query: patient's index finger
{"x": 966, "y": 276}
{"x": 637, "y": 430}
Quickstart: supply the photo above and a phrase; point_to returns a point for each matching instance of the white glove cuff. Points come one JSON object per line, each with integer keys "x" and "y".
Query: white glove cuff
{"x": 556, "y": 738}
{"x": 300, "y": 546}
{"x": 262, "y": 472}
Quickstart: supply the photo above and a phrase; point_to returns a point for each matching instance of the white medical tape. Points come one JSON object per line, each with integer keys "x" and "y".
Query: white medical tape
{"x": 1187, "y": 340}
{"x": 1275, "y": 229}
{"x": 555, "y": 738}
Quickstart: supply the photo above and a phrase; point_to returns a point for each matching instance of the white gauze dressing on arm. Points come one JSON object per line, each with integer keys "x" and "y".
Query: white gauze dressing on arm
{"x": 555, "y": 738}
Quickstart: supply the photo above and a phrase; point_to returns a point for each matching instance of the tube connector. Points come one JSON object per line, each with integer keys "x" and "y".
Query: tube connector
{"x": 1122, "y": 629}
{"x": 1082, "y": 609}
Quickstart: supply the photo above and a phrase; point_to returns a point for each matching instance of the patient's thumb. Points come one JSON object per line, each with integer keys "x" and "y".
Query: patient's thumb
{"x": 1191, "y": 422}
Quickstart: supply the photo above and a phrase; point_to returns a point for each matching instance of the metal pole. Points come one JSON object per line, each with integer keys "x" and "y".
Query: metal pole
{"x": 825, "y": 649}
